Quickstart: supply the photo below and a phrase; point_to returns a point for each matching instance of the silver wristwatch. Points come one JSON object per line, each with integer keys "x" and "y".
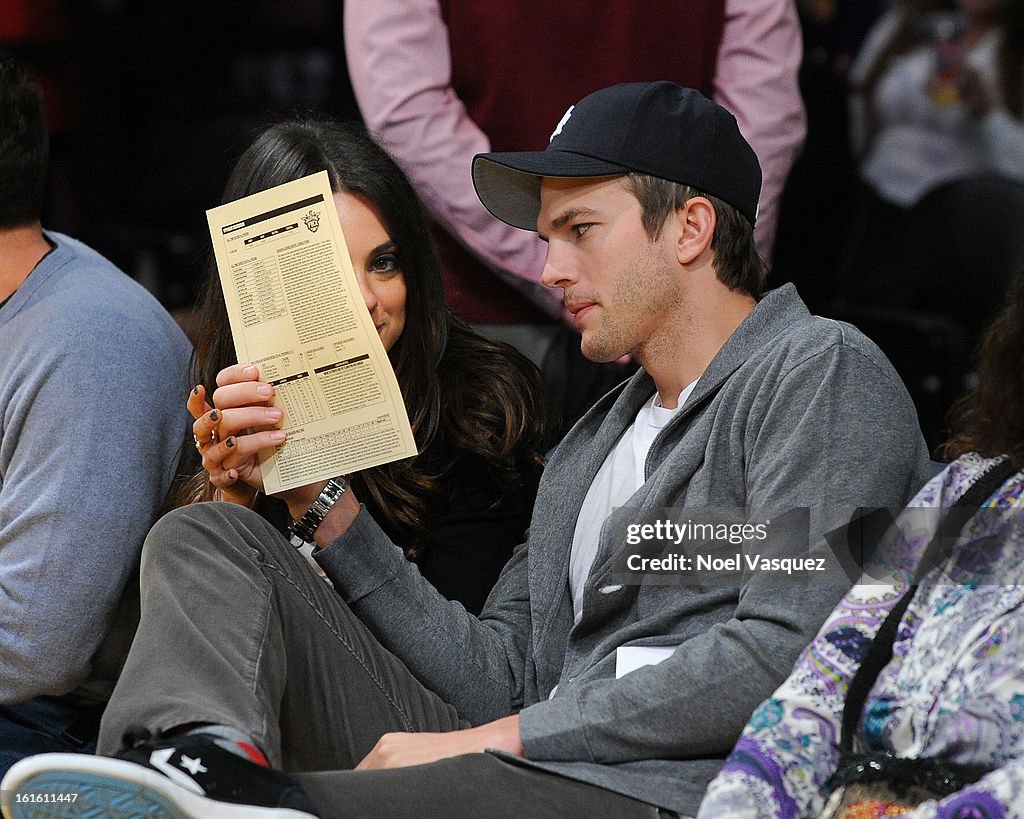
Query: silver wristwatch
{"x": 304, "y": 528}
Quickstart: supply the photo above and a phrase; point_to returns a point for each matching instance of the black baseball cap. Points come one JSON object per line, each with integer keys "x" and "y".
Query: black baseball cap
{"x": 656, "y": 128}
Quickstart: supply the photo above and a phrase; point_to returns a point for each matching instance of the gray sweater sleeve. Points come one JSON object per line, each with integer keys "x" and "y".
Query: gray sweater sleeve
{"x": 474, "y": 663}
{"x": 837, "y": 432}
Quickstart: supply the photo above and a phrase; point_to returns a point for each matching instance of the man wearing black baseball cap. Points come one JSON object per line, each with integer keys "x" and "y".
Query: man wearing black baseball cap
{"x": 665, "y": 151}
{"x": 602, "y": 677}
{"x": 658, "y": 129}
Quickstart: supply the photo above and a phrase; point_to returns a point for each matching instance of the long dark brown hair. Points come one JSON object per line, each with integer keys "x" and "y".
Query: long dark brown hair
{"x": 990, "y": 419}
{"x": 476, "y": 396}
{"x": 1010, "y": 58}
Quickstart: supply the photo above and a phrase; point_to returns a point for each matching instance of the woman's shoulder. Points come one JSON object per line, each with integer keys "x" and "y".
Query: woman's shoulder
{"x": 949, "y": 485}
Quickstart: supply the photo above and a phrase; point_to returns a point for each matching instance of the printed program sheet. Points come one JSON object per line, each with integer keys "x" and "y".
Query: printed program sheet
{"x": 297, "y": 314}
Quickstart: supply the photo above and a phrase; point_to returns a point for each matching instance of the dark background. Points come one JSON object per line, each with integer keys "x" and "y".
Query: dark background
{"x": 150, "y": 101}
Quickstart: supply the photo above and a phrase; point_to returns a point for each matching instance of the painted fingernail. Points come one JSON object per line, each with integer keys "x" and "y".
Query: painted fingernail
{"x": 214, "y": 415}
{"x": 231, "y": 475}
{"x": 195, "y": 390}
{"x": 230, "y": 442}
{"x": 264, "y": 389}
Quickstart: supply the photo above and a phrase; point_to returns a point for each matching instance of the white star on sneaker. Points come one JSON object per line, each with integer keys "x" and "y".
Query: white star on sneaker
{"x": 193, "y": 766}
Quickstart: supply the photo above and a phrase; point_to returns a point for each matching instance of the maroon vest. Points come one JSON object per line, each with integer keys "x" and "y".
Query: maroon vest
{"x": 519, "y": 64}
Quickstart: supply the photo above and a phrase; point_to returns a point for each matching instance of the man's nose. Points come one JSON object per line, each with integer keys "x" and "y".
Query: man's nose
{"x": 556, "y": 272}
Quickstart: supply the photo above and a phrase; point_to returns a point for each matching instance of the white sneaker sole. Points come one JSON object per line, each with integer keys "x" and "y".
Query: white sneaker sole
{"x": 54, "y": 786}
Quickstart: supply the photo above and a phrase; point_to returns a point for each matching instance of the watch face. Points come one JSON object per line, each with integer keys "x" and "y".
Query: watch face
{"x": 308, "y": 523}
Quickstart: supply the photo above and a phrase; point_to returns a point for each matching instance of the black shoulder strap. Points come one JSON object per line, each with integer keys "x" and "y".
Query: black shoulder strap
{"x": 880, "y": 652}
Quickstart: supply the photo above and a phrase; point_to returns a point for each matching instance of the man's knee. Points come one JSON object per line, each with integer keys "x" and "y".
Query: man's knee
{"x": 223, "y": 527}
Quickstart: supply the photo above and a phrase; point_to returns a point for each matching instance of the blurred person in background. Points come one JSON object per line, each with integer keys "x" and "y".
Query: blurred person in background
{"x": 938, "y": 96}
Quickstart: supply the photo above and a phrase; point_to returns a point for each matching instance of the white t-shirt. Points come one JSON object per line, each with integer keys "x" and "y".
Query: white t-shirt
{"x": 620, "y": 476}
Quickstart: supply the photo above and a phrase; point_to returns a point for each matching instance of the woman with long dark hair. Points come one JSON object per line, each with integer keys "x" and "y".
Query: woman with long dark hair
{"x": 910, "y": 701}
{"x": 990, "y": 420}
{"x": 475, "y": 407}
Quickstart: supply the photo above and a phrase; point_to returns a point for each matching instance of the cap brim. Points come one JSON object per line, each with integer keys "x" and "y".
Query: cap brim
{"x": 509, "y": 183}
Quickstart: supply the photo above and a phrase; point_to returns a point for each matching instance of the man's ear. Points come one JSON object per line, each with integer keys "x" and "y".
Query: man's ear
{"x": 696, "y": 223}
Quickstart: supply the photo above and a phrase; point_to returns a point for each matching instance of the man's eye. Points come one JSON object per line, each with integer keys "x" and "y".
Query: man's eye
{"x": 384, "y": 264}
{"x": 581, "y": 228}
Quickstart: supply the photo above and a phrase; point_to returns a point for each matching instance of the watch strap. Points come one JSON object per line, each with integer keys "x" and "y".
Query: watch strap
{"x": 305, "y": 527}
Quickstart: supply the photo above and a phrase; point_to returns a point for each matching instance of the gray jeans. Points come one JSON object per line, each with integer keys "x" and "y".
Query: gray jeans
{"x": 238, "y": 630}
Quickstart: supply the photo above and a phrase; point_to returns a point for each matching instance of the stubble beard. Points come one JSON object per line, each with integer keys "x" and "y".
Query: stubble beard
{"x": 624, "y": 320}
